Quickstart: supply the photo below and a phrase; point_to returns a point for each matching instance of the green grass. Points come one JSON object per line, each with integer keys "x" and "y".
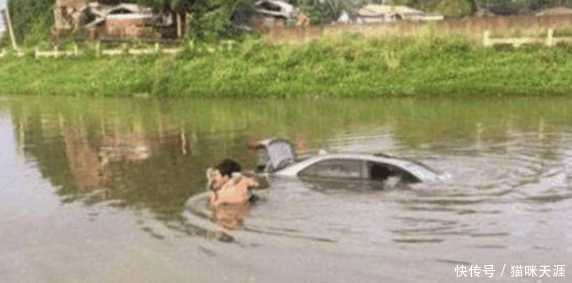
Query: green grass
{"x": 347, "y": 67}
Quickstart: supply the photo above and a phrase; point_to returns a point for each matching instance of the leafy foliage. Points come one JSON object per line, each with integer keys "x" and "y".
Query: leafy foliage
{"x": 325, "y": 11}
{"x": 429, "y": 65}
{"x": 455, "y": 8}
{"x": 31, "y": 20}
{"x": 212, "y": 19}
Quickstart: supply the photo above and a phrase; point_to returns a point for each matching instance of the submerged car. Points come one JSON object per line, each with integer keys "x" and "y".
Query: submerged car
{"x": 277, "y": 157}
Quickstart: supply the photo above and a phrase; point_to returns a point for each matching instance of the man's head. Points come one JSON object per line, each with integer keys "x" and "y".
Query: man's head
{"x": 228, "y": 167}
{"x": 221, "y": 173}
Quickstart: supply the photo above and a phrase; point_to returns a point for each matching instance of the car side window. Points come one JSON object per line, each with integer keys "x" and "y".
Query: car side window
{"x": 381, "y": 172}
{"x": 335, "y": 168}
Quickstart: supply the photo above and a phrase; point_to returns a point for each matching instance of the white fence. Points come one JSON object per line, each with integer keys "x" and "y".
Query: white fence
{"x": 550, "y": 40}
{"x": 157, "y": 49}
{"x": 98, "y": 51}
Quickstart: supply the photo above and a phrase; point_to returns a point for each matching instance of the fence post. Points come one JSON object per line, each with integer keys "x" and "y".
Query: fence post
{"x": 487, "y": 39}
{"x": 179, "y": 20}
{"x": 550, "y": 38}
{"x": 228, "y": 45}
{"x": 56, "y": 51}
{"x": 98, "y": 49}
{"x": 75, "y": 49}
{"x": 157, "y": 48}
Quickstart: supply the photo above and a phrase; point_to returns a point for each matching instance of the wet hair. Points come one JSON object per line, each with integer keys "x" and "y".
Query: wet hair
{"x": 227, "y": 167}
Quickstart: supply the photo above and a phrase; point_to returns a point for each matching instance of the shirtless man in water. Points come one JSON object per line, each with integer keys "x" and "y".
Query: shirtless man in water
{"x": 228, "y": 185}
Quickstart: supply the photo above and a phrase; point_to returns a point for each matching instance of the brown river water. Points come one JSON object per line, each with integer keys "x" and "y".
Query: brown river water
{"x": 94, "y": 190}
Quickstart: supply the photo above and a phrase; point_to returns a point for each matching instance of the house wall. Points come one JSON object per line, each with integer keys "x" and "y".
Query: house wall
{"x": 67, "y": 14}
{"x": 267, "y": 24}
{"x": 126, "y": 28}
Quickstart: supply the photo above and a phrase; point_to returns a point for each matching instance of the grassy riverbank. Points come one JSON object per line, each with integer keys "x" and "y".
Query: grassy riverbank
{"x": 349, "y": 67}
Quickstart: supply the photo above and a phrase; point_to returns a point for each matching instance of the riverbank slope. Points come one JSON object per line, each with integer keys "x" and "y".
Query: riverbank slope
{"x": 348, "y": 67}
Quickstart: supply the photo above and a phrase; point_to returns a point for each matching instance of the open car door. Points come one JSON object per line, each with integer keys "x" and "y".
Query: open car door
{"x": 274, "y": 154}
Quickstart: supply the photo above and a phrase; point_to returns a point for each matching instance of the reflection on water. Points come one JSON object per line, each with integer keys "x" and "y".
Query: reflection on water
{"x": 510, "y": 162}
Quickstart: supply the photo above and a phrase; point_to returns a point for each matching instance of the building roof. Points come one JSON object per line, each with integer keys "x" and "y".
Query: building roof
{"x": 275, "y": 8}
{"x": 558, "y": 11}
{"x": 128, "y": 9}
{"x": 374, "y": 10}
{"x": 119, "y": 12}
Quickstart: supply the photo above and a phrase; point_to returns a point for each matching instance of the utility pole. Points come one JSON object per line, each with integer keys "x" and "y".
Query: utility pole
{"x": 8, "y": 22}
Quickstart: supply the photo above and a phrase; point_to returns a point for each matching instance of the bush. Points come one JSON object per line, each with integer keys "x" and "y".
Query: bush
{"x": 455, "y": 8}
{"x": 31, "y": 20}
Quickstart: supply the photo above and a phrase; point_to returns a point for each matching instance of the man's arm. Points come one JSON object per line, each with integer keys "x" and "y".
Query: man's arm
{"x": 251, "y": 183}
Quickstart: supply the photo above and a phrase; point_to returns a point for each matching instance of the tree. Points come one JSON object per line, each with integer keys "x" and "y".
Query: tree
{"x": 455, "y": 8}
{"x": 212, "y": 19}
{"x": 209, "y": 19}
{"x": 31, "y": 20}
